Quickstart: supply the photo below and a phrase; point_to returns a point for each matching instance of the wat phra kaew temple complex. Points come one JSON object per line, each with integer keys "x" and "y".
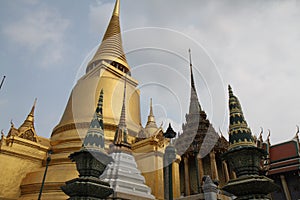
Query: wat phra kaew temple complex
{"x": 100, "y": 150}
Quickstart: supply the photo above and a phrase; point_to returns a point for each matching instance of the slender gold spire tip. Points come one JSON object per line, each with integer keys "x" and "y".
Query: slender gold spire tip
{"x": 34, "y": 103}
{"x": 151, "y": 109}
{"x": 117, "y": 8}
{"x": 33, "y": 107}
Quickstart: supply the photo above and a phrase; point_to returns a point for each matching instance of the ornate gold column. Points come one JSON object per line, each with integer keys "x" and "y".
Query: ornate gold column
{"x": 285, "y": 188}
{"x": 186, "y": 176}
{"x": 176, "y": 177}
{"x": 226, "y": 171}
{"x": 213, "y": 164}
{"x": 200, "y": 167}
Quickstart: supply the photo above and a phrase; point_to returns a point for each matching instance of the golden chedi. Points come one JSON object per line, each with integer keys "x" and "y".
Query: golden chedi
{"x": 105, "y": 70}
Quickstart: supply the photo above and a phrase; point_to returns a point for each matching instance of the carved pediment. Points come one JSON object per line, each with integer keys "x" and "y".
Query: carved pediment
{"x": 28, "y": 135}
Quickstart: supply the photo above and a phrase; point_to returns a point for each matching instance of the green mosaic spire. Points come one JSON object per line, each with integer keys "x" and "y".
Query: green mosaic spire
{"x": 239, "y": 133}
{"x": 95, "y": 135}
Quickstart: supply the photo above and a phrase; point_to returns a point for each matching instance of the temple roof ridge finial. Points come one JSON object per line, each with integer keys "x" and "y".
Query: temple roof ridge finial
{"x": 33, "y": 107}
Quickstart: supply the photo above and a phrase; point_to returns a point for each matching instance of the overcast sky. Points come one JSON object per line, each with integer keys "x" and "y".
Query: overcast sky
{"x": 252, "y": 45}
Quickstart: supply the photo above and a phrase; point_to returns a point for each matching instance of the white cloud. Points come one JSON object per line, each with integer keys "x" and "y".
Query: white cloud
{"x": 40, "y": 32}
{"x": 254, "y": 44}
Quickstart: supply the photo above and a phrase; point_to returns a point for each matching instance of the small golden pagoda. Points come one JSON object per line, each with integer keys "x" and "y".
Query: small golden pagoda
{"x": 21, "y": 152}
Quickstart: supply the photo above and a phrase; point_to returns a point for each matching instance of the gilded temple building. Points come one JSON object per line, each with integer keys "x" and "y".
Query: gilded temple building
{"x": 24, "y": 155}
{"x": 22, "y": 151}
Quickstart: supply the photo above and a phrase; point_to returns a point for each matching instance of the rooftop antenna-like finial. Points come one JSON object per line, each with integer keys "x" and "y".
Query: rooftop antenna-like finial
{"x": 297, "y": 132}
{"x": 190, "y": 56}
{"x": 2, "y": 82}
{"x": 191, "y": 68}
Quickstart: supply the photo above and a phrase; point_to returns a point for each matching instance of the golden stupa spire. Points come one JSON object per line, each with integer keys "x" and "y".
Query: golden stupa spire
{"x": 111, "y": 49}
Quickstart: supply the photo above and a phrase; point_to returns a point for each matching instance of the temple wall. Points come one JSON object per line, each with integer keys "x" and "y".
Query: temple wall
{"x": 12, "y": 172}
{"x": 18, "y": 157}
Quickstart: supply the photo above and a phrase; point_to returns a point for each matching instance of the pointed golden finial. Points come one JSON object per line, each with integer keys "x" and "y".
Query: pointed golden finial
{"x": 33, "y": 107}
{"x": 29, "y": 121}
{"x": 151, "y": 109}
{"x": 117, "y": 8}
